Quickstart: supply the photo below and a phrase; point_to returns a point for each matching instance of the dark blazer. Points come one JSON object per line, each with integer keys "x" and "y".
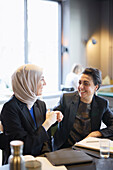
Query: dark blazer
{"x": 68, "y": 105}
{"x": 19, "y": 125}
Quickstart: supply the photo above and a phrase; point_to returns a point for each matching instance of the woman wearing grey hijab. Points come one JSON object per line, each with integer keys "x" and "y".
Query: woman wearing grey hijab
{"x": 24, "y": 116}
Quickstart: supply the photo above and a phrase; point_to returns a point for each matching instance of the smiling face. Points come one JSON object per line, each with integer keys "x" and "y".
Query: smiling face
{"x": 40, "y": 85}
{"x": 86, "y": 88}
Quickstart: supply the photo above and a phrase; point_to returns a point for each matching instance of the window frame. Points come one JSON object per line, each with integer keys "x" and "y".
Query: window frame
{"x": 59, "y": 38}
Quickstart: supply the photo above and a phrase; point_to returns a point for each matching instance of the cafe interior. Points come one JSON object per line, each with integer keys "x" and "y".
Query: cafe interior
{"x": 55, "y": 34}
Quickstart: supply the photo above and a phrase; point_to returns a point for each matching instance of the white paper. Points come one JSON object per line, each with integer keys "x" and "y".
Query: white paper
{"x": 92, "y": 143}
{"x": 46, "y": 165}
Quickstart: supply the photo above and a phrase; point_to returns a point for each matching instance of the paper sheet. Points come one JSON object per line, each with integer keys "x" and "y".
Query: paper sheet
{"x": 93, "y": 143}
{"x": 46, "y": 165}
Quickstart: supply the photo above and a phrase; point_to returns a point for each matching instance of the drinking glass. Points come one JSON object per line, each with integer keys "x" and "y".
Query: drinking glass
{"x": 104, "y": 148}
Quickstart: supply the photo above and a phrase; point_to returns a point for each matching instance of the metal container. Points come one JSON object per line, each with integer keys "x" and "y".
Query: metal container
{"x": 16, "y": 159}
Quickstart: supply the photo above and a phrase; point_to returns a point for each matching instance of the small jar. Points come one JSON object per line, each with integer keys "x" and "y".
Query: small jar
{"x": 33, "y": 165}
{"x": 16, "y": 159}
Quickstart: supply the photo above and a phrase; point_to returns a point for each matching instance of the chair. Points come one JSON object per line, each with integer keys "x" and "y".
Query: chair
{"x": 2, "y": 137}
{"x": 68, "y": 89}
{"x": 3, "y": 141}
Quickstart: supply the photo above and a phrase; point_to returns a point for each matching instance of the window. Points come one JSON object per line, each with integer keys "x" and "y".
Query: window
{"x": 43, "y": 39}
{"x": 35, "y": 40}
{"x": 11, "y": 37}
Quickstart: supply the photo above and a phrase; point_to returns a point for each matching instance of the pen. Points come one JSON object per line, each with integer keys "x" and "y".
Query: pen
{"x": 91, "y": 141}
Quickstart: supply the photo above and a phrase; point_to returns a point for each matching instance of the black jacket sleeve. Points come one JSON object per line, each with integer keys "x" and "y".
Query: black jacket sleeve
{"x": 17, "y": 125}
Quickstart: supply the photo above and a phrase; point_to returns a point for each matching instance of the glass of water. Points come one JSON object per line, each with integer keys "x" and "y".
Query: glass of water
{"x": 104, "y": 148}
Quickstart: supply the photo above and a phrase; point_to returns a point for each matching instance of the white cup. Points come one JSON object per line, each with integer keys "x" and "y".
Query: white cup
{"x": 104, "y": 148}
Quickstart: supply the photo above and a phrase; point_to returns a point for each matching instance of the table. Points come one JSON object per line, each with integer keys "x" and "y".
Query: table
{"x": 97, "y": 164}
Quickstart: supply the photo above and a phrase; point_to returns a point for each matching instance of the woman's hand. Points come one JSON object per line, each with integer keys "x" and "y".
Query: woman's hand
{"x": 1, "y": 127}
{"x": 59, "y": 116}
{"x": 51, "y": 118}
{"x": 94, "y": 134}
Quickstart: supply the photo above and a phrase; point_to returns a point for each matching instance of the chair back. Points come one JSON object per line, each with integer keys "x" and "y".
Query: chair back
{"x": 3, "y": 141}
{"x": 3, "y": 138}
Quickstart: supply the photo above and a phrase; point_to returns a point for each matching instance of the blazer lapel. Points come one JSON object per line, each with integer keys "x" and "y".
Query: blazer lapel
{"x": 95, "y": 116}
{"x": 39, "y": 117}
{"x": 27, "y": 114}
{"x": 73, "y": 111}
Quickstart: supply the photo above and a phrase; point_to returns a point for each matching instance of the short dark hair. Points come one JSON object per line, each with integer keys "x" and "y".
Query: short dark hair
{"x": 95, "y": 74}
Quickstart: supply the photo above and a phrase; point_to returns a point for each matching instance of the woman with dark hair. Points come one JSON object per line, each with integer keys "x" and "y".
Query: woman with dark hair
{"x": 83, "y": 112}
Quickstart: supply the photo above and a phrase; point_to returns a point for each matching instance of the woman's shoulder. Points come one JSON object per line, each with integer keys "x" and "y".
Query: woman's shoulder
{"x": 100, "y": 99}
{"x": 70, "y": 97}
{"x": 10, "y": 101}
{"x": 9, "y": 106}
{"x": 13, "y": 103}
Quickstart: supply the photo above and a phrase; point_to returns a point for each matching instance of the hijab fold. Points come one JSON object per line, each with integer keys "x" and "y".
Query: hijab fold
{"x": 24, "y": 83}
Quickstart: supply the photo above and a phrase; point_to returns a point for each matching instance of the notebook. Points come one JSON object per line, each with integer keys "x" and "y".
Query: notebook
{"x": 92, "y": 143}
{"x": 68, "y": 156}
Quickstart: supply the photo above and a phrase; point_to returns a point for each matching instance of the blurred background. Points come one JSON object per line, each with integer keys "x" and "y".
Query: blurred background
{"x": 55, "y": 34}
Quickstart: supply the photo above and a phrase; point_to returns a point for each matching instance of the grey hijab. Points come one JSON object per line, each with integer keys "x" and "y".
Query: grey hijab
{"x": 24, "y": 83}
